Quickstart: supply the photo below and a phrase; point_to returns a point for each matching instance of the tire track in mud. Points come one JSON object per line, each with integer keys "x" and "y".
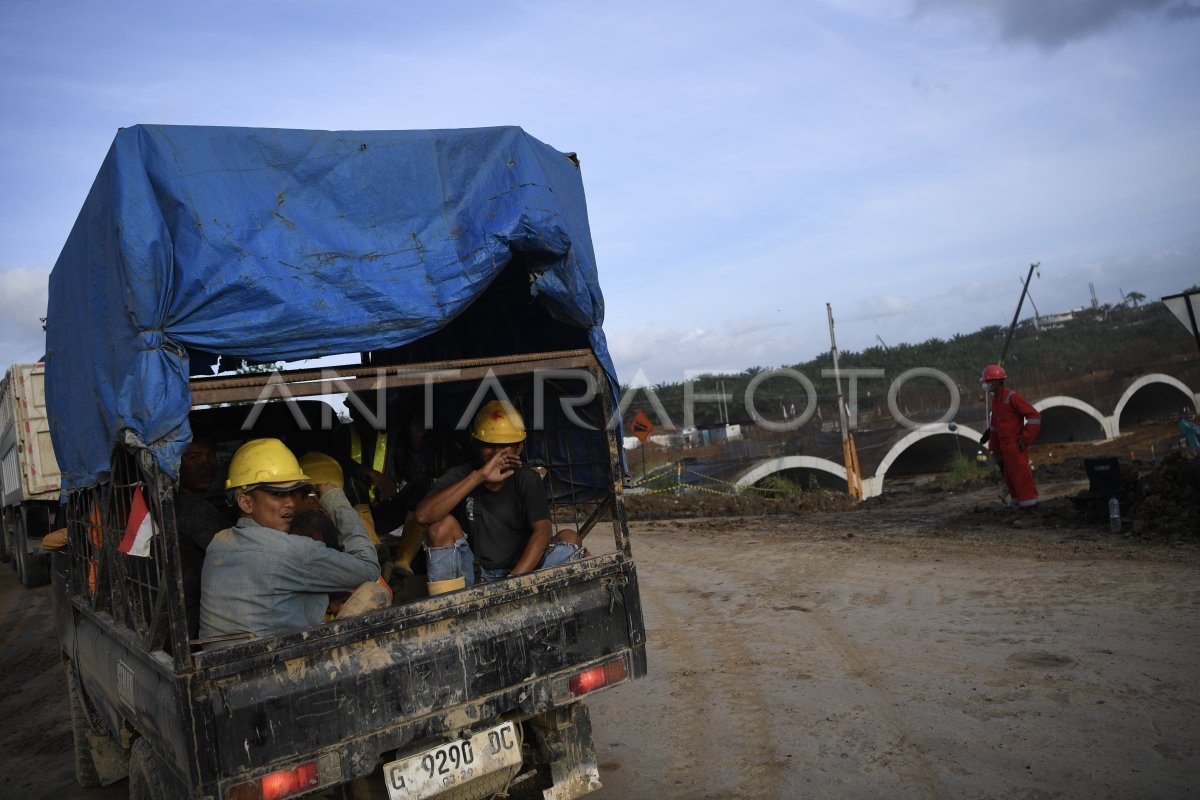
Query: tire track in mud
{"x": 912, "y": 763}
{"x": 36, "y": 736}
{"x": 18, "y": 609}
{"x": 724, "y": 747}
{"x": 813, "y": 619}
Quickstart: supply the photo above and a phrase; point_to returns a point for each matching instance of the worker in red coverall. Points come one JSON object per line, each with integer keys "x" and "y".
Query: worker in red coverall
{"x": 1014, "y": 426}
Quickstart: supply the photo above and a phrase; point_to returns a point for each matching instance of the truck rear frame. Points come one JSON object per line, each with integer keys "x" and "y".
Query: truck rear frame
{"x": 329, "y": 706}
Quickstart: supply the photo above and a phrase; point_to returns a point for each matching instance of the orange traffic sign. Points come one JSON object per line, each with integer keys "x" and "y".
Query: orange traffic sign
{"x": 641, "y": 426}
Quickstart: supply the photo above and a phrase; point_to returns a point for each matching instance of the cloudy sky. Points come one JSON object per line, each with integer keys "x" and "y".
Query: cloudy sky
{"x": 745, "y": 163}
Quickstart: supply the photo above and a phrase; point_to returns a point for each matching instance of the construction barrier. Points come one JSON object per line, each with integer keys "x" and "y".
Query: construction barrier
{"x": 679, "y": 486}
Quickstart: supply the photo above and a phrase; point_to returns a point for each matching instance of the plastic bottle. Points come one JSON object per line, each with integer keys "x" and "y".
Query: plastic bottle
{"x": 1114, "y": 515}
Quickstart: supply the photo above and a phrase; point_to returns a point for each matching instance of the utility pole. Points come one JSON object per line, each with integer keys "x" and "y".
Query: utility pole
{"x": 987, "y": 407}
{"x": 1013, "y": 326}
{"x": 1037, "y": 322}
{"x": 849, "y": 452}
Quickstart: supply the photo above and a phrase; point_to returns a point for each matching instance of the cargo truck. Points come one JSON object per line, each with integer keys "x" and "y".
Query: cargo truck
{"x": 457, "y": 266}
{"x": 28, "y": 473}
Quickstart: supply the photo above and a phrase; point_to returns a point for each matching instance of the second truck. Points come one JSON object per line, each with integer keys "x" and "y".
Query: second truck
{"x": 28, "y": 473}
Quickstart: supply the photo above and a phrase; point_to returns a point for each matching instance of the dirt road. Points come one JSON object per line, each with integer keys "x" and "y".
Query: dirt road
{"x": 930, "y": 650}
{"x": 926, "y": 649}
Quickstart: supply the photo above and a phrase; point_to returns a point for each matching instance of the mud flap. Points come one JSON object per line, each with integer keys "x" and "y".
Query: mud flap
{"x": 565, "y": 739}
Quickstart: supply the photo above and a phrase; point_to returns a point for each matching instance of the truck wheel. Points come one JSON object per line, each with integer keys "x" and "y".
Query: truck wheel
{"x": 32, "y": 568}
{"x": 85, "y": 768}
{"x": 18, "y": 546}
{"x": 5, "y": 548}
{"x": 146, "y": 778}
{"x": 99, "y": 758}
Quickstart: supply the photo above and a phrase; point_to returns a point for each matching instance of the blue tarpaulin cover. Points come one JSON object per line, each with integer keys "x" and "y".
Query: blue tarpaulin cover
{"x": 270, "y": 244}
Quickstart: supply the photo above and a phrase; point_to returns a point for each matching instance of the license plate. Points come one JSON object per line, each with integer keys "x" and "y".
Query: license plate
{"x": 446, "y": 766}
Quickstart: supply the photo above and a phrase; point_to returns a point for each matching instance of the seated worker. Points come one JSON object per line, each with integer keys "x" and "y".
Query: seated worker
{"x": 494, "y": 510}
{"x": 313, "y": 521}
{"x": 414, "y": 453}
{"x": 365, "y": 455}
{"x": 197, "y": 520}
{"x": 259, "y": 580}
{"x": 324, "y": 468}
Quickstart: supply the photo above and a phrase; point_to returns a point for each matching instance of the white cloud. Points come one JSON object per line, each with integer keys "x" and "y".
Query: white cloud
{"x": 665, "y": 353}
{"x": 23, "y": 293}
{"x": 874, "y": 307}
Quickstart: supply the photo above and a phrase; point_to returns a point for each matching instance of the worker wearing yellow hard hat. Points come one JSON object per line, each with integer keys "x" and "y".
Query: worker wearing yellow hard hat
{"x": 493, "y": 513}
{"x": 261, "y": 581}
{"x": 324, "y": 468}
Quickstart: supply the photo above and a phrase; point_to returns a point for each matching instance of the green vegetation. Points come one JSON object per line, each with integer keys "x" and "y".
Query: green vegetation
{"x": 779, "y": 487}
{"x": 665, "y": 479}
{"x": 1124, "y": 338}
{"x": 962, "y": 470}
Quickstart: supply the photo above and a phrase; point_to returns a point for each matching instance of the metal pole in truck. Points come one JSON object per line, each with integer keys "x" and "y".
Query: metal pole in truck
{"x": 849, "y": 452}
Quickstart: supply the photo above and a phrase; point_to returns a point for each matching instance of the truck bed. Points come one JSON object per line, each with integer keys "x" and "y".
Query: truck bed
{"x": 348, "y": 692}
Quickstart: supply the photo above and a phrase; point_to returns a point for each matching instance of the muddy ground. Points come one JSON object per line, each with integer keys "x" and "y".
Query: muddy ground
{"x": 927, "y": 645}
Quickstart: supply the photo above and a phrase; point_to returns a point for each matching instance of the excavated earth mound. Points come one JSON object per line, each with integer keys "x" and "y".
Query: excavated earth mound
{"x": 703, "y": 504}
{"x": 1167, "y": 498}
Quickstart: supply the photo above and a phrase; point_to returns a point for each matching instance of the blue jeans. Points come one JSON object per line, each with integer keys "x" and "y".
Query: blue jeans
{"x": 446, "y": 563}
{"x": 457, "y": 560}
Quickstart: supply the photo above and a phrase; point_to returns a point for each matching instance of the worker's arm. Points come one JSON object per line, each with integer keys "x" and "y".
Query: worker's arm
{"x": 1033, "y": 420}
{"x": 535, "y": 548}
{"x": 537, "y": 511}
{"x": 438, "y": 504}
{"x": 313, "y": 567}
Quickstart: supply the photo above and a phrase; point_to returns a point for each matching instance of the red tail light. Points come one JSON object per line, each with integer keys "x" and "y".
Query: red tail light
{"x": 279, "y": 784}
{"x": 598, "y": 677}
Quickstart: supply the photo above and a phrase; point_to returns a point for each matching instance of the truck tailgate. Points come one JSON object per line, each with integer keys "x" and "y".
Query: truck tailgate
{"x": 364, "y": 686}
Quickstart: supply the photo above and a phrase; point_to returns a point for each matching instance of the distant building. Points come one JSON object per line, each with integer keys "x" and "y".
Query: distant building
{"x": 1048, "y": 322}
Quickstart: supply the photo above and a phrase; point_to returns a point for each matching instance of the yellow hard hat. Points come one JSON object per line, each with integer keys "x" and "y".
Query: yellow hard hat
{"x": 323, "y": 468}
{"x": 499, "y": 423}
{"x": 265, "y": 461}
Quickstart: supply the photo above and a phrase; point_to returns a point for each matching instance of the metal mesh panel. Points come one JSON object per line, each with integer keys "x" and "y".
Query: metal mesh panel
{"x": 129, "y": 588}
{"x": 578, "y": 482}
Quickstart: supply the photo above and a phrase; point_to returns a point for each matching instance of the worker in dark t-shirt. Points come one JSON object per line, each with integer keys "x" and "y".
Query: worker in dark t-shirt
{"x": 493, "y": 512}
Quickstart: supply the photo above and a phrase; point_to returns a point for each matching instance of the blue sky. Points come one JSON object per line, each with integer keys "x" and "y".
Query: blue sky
{"x": 904, "y": 160}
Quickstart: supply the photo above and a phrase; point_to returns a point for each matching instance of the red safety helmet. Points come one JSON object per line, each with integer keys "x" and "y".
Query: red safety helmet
{"x": 993, "y": 372}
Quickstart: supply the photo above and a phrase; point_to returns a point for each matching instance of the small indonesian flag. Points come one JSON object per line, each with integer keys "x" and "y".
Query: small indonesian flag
{"x": 140, "y": 528}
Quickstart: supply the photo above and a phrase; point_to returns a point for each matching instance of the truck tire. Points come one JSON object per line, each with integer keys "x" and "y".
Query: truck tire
{"x": 85, "y": 768}
{"x": 99, "y": 758}
{"x": 5, "y": 536}
{"x": 147, "y": 781}
{"x": 32, "y": 568}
